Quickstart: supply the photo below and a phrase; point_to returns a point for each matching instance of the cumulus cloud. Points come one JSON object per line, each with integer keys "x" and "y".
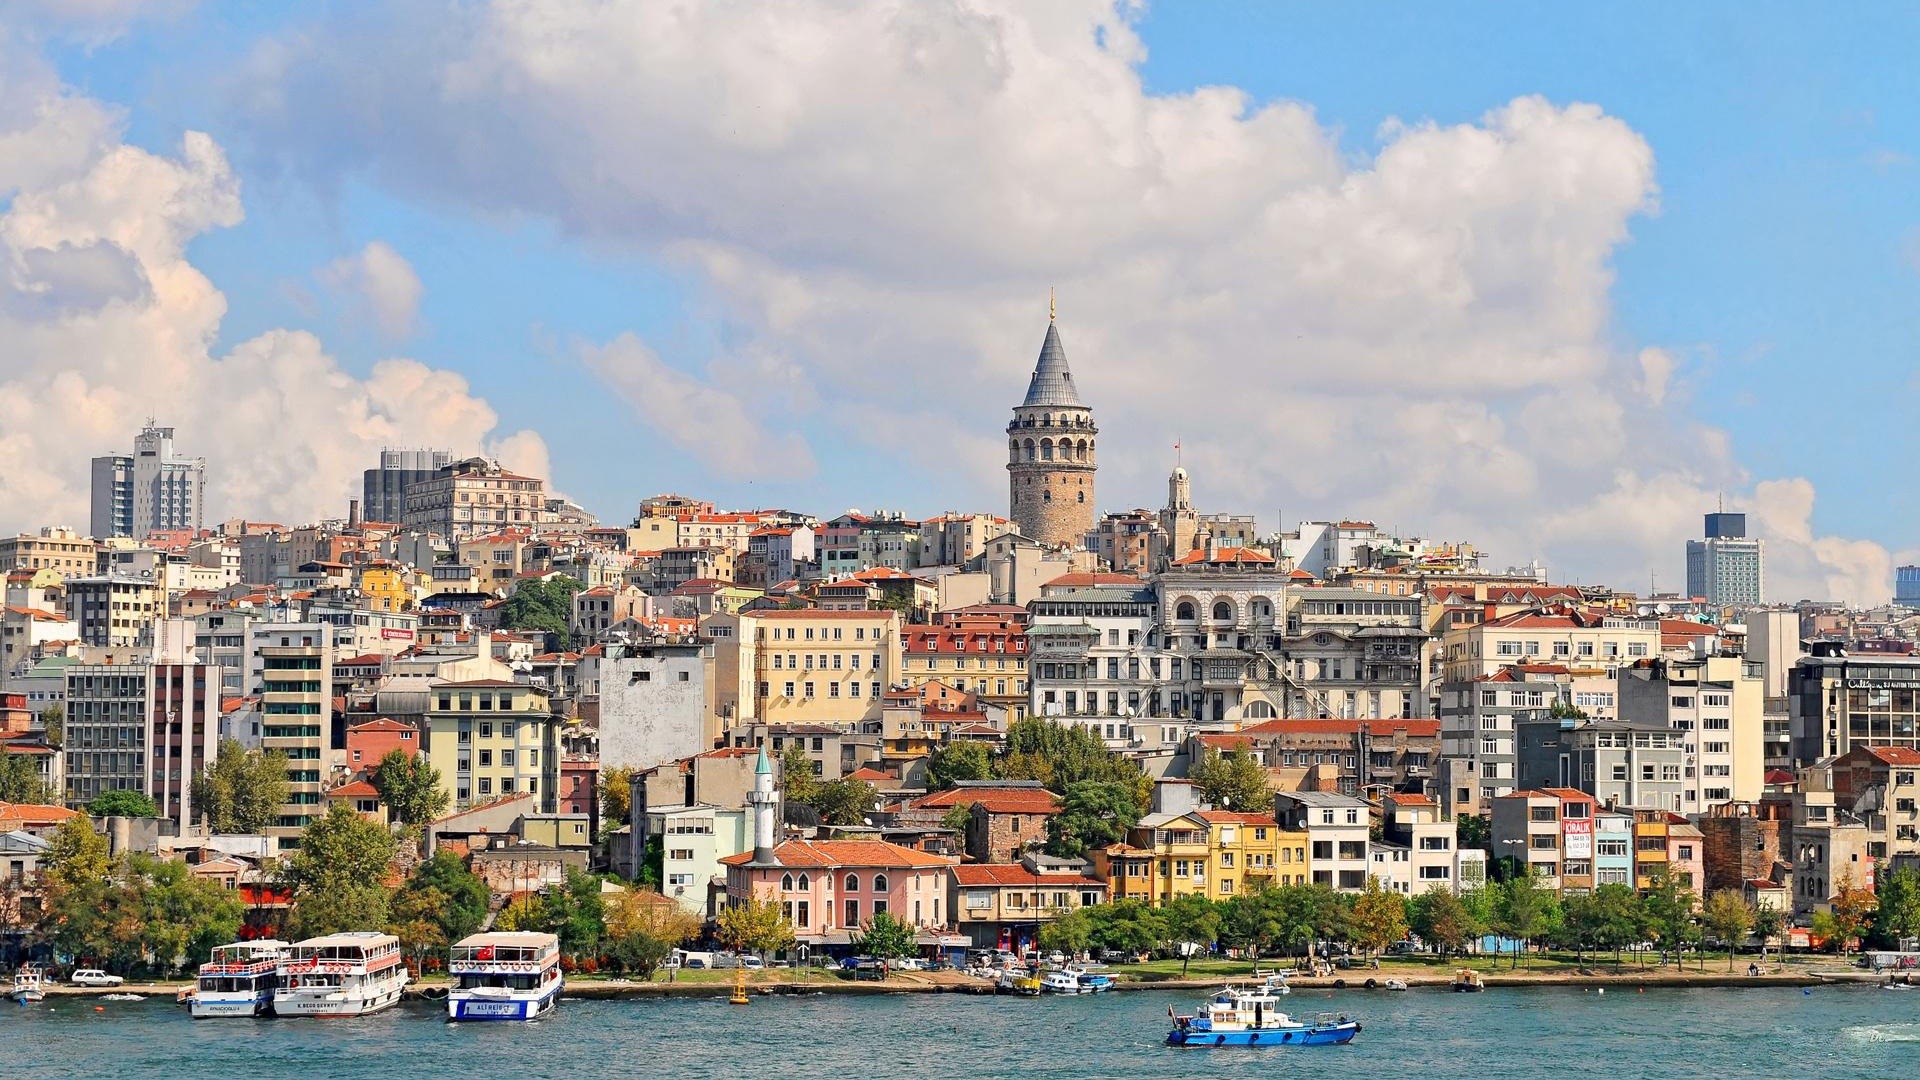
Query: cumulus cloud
{"x": 383, "y": 281}
{"x": 104, "y": 321}
{"x": 879, "y": 193}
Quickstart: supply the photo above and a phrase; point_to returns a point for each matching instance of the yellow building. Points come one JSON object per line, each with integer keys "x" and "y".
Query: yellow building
{"x": 65, "y": 552}
{"x": 985, "y": 654}
{"x": 1217, "y": 854}
{"x": 493, "y": 737}
{"x": 808, "y": 666}
{"x": 386, "y": 587}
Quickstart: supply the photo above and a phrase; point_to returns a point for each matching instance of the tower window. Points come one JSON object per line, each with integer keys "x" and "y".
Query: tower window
{"x": 1083, "y": 496}
{"x": 1046, "y": 495}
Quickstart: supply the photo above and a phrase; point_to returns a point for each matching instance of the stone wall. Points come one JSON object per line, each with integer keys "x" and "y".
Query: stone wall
{"x": 1738, "y": 849}
{"x": 1063, "y": 520}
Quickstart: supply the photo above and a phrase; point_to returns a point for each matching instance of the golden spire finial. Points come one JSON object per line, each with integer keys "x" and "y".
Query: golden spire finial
{"x": 1049, "y": 303}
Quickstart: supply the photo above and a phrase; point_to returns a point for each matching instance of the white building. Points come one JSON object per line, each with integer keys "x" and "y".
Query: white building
{"x": 150, "y": 489}
{"x": 1726, "y": 567}
{"x": 693, "y": 840}
{"x": 656, "y": 703}
{"x": 1337, "y": 836}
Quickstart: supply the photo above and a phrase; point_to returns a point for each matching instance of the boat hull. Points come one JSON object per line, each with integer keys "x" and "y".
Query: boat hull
{"x": 469, "y": 1008}
{"x": 27, "y": 997}
{"x": 226, "y": 1006}
{"x": 1320, "y": 1035}
{"x": 336, "y": 1006}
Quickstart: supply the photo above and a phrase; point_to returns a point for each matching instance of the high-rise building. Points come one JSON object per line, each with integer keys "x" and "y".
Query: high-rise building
{"x": 383, "y": 490}
{"x": 1906, "y": 586}
{"x": 1725, "y": 568}
{"x": 1050, "y": 453}
{"x": 474, "y": 497}
{"x": 134, "y": 494}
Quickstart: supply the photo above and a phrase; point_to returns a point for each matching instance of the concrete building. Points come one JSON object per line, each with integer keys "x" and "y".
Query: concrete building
{"x": 1906, "y": 586}
{"x": 1004, "y": 905}
{"x": 472, "y": 498}
{"x": 693, "y": 841}
{"x": 492, "y": 738}
{"x": 150, "y": 489}
{"x": 1550, "y": 830}
{"x": 1422, "y": 849}
{"x": 290, "y": 669}
{"x": 1716, "y": 703}
{"x": 984, "y": 653}
{"x": 816, "y": 667}
{"x": 114, "y": 612}
{"x": 106, "y": 734}
{"x": 1839, "y": 701}
{"x": 1726, "y": 568}
{"x": 55, "y": 548}
{"x": 1052, "y": 453}
{"x": 183, "y": 726}
{"x": 1618, "y": 762}
{"x": 1356, "y": 654}
{"x": 656, "y": 703}
{"x": 383, "y": 490}
{"x": 1337, "y": 836}
{"x": 1612, "y": 848}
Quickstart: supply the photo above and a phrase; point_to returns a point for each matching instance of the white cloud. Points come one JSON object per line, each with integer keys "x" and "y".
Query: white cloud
{"x": 878, "y": 194}
{"x": 382, "y": 280}
{"x": 104, "y": 321}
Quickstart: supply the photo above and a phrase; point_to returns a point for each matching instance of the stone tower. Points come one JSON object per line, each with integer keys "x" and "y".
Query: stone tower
{"x": 1178, "y": 520}
{"x": 1050, "y": 453}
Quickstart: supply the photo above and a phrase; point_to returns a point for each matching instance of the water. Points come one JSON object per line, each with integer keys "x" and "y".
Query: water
{"x": 1832, "y": 1032}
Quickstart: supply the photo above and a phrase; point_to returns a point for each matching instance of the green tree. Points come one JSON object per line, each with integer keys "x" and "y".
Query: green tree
{"x": 754, "y": 926}
{"x": 886, "y": 938}
{"x": 643, "y": 929}
{"x": 1617, "y": 918}
{"x": 1068, "y": 932}
{"x": 76, "y": 856}
{"x": 1379, "y": 917}
{"x": 1234, "y": 780}
{"x": 844, "y": 802}
{"x": 542, "y": 605}
{"x": 1670, "y": 908}
{"x": 1061, "y": 755}
{"x": 961, "y": 759}
{"x": 243, "y": 790}
{"x": 1522, "y": 910}
{"x": 1848, "y": 913}
{"x": 20, "y": 780}
{"x": 182, "y": 915}
{"x": 1728, "y": 918}
{"x": 1127, "y": 926}
{"x": 1897, "y": 916}
{"x": 1767, "y": 924}
{"x": 799, "y": 782}
{"x": 1562, "y": 709}
{"x": 1442, "y": 920}
{"x": 1193, "y": 922}
{"x": 616, "y": 795}
{"x": 123, "y": 802}
{"x": 337, "y": 874}
{"x": 410, "y": 787}
{"x": 413, "y": 917}
{"x": 1093, "y": 814}
{"x": 53, "y": 725}
{"x": 439, "y": 904}
{"x": 1472, "y": 831}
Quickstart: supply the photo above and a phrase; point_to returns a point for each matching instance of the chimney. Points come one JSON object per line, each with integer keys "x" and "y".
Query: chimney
{"x": 353, "y": 513}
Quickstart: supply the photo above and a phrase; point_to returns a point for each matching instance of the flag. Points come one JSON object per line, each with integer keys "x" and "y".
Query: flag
{"x": 485, "y": 952}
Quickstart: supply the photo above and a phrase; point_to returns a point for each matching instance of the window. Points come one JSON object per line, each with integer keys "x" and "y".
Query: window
{"x": 853, "y": 913}
{"x": 879, "y": 886}
{"x": 852, "y": 883}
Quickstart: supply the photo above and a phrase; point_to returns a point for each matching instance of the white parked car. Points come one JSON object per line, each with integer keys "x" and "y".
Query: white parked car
{"x": 94, "y": 977}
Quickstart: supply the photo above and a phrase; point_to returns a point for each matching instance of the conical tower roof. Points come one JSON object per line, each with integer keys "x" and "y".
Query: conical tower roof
{"x": 1052, "y": 383}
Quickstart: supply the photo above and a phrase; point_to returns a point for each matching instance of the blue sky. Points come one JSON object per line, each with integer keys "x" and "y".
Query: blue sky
{"x": 1780, "y": 266}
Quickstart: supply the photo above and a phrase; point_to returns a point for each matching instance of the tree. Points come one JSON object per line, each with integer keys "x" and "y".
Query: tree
{"x": 844, "y": 802}
{"x": 76, "y": 856}
{"x": 410, "y": 787}
{"x": 959, "y": 818}
{"x": 123, "y": 802}
{"x": 961, "y": 759}
{"x": 20, "y": 780}
{"x": 1379, "y": 917}
{"x": 755, "y": 926}
{"x": 1728, "y": 918}
{"x": 1562, "y": 709}
{"x": 1472, "y": 831}
{"x": 440, "y": 904}
{"x": 1669, "y": 908}
{"x": 1235, "y": 779}
{"x": 799, "y": 782}
{"x": 643, "y": 929}
{"x": 1442, "y": 920}
{"x": 182, "y": 914}
{"x": 1616, "y": 918}
{"x": 616, "y": 795}
{"x": 1127, "y": 926}
{"x": 543, "y": 605}
{"x": 413, "y": 917}
{"x": 53, "y": 722}
{"x": 1897, "y": 917}
{"x": 1521, "y": 911}
{"x": 1848, "y": 913}
{"x": 886, "y": 938}
{"x": 1061, "y": 755}
{"x": 243, "y": 790}
{"x": 1767, "y": 923}
{"x": 1069, "y": 932}
{"x": 1192, "y": 920}
{"x": 1093, "y": 814}
{"x": 337, "y": 874}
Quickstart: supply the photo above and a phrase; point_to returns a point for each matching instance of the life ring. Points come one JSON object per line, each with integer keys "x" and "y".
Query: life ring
{"x": 1339, "y": 984}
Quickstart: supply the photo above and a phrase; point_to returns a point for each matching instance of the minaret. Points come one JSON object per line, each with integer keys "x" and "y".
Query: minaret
{"x": 764, "y": 803}
{"x": 1051, "y": 452}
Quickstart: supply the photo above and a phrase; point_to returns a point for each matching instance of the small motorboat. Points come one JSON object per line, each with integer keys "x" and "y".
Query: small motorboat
{"x": 1251, "y": 1017}
{"x": 1092, "y": 981}
{"x": 1467, "y": 981}
{"x": 1017, "y": 981}
{"x": 1062, "y": 981}
{"x": 29, "y": 985}
{"x": 1277, "y": 986}
{"x": 1395, "y": 984}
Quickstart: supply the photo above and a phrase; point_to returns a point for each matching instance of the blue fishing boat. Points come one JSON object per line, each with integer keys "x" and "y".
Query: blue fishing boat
{"x": 1252, "y": 1017}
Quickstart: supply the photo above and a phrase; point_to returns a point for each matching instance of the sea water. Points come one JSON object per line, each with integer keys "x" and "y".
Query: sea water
{"x": 1656, "y": 1035}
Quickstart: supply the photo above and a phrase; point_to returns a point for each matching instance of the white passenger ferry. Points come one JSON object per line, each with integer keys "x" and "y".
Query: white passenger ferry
{"x": 504, "y": 976}
{"x": 340, "y": 975}
{"x": 238, "y": 980}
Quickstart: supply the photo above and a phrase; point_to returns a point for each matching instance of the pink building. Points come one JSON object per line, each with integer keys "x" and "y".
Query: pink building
{"x": 1686, "y": 854}
{"x": 829, "y": 889}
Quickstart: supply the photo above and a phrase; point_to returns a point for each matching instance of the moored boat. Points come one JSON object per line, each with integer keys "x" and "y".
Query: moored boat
{"x": 340, "y": 975}
{"x": 1467, "y": 981}
{"x": 1062, "y": 981}
{"x": 29, "y": 984}
{"x": 1014, "y": 980}
{"x": 1252, "y": 1017}
{"x": 504, "y": 976}
{"x": 237, "y": 980}
{"x": 1092, "y": 981}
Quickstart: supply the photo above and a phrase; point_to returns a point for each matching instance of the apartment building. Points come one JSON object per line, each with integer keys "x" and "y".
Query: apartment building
{"x": 816, "y": 667}
{"x": 1337, "y": 828}
{"x": 493, "y": 738}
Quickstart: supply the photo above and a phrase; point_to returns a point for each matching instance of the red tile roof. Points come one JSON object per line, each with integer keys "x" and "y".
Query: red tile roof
{"x": 382, "y": 723}
{"x": 1233, "y": 817}
{"x": 1894, "y": 755}
{"x": 996, "y": 800}
{"x": 837, "y": 853}
{"x": 1015, "y": 874}
{"x": 1232, "y": 555}
{"x": 1094, "y": 581}
{"x": 355, "y": 789}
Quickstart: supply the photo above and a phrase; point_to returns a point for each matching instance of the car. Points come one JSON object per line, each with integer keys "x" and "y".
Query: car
{"x": 1403, "y": 948}
{"x": 94, "y": 977}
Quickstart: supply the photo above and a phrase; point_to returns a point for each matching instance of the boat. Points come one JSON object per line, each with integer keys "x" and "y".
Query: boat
{"x": 1014, "y": 980}
{"x": 1277, "y": 985}
{"x": 122, "y": 997}
{"x": 1063, "y": 981}
{"x": 340, "y": 975}
{"x": 504, "y": 976}
{"x": 29, "y": 984}
{"x": 237, "y": 980}
{"x": 1252, "y": 1017}
{"x": 1467, "y": 981}
{"x": 1395, "y": 984}
{"x": 1092, "y": 981}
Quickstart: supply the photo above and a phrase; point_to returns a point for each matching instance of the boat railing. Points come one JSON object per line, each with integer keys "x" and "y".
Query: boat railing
{"x": 495, "y": 967}
{"x": 256, "y": 967}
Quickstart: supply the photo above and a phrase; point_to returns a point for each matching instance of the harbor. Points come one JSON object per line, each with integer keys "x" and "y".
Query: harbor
{"x": 1821, "y": 1032}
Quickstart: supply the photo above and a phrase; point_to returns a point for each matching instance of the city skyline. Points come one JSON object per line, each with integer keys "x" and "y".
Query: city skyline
{"x": 1439, "y": 339}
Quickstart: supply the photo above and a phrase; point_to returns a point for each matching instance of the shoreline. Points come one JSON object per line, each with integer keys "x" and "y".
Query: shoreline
{"x": 612, "y": 990}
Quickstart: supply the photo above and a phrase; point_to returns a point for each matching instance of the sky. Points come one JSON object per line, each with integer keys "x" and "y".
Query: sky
{"x": 1554, "y": 281}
